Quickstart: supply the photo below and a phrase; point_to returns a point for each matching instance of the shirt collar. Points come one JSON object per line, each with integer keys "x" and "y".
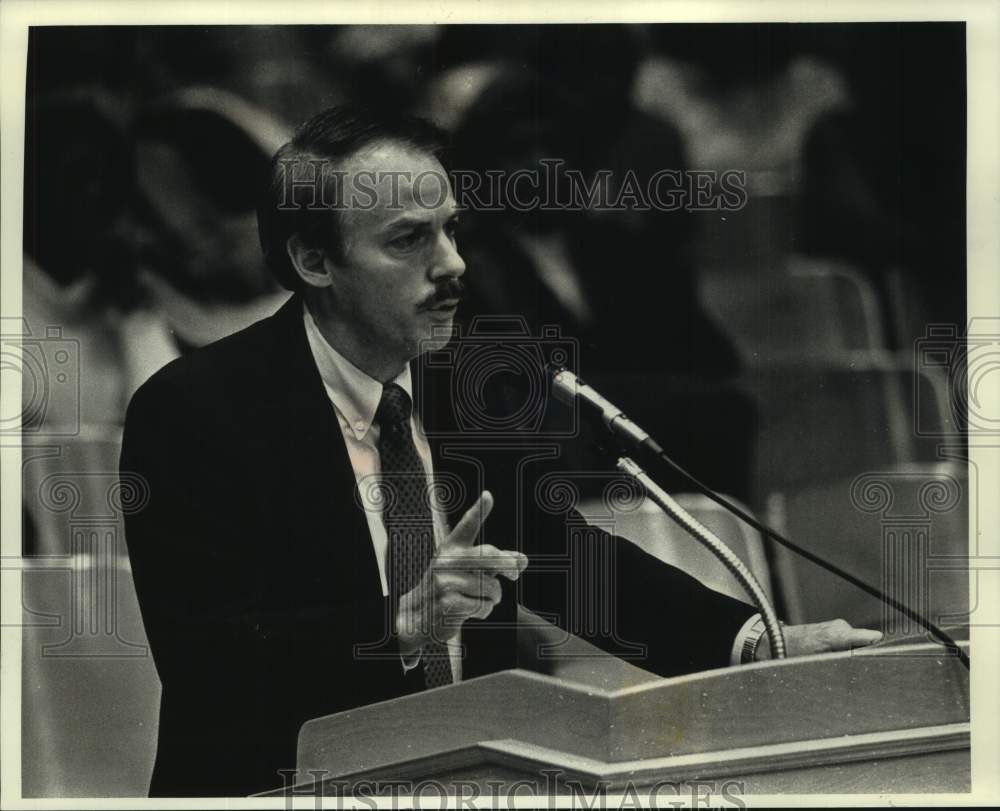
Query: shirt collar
{"x": 354, "y": 394}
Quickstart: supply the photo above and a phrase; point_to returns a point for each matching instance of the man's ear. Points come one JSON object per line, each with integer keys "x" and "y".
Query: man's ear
{"x": 308, "y": 262}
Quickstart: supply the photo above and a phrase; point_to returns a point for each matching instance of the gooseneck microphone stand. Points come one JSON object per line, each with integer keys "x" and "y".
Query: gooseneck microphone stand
{"x": 707, "y": 538}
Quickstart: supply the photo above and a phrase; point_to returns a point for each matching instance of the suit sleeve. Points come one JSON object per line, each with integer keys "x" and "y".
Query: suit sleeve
{"x": 607, "y": 590}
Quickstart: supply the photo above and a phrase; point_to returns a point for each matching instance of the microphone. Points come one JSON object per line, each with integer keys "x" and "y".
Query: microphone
{"x": 569, "y": 389}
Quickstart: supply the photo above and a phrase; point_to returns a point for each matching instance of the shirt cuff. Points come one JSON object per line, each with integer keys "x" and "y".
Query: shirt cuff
{"x": 736, "y": 653}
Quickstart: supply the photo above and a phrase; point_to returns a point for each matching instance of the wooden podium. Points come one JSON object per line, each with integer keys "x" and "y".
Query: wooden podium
{"x": 885, "y": 719}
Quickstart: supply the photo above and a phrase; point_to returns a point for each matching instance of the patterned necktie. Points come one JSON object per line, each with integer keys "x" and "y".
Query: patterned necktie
{"x": 407, "y": 515}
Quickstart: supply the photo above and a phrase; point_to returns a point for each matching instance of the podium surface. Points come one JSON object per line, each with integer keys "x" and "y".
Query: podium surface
{"x": 882, "y": 719}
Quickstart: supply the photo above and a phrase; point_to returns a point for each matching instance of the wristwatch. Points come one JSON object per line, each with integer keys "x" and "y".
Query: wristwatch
{"x": 752, "y": 640}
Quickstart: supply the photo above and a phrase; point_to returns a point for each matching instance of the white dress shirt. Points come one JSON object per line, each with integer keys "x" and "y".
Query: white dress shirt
{"x": 355, "y": 397}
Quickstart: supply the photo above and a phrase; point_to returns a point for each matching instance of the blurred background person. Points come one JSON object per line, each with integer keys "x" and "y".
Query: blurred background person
{"x": 200, "y": 154}
{"x": 622, "y": 281}
{"x": 81, "y": 243}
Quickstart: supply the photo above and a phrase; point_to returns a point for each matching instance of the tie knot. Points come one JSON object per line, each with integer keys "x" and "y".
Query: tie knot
{"x": 394, "y": 407}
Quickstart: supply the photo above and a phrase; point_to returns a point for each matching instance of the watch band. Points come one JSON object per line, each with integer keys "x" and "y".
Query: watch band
{"x": 752, "y": 640}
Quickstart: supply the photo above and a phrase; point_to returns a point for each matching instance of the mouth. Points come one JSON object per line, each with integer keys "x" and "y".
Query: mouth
{"x": 445, "y": 306}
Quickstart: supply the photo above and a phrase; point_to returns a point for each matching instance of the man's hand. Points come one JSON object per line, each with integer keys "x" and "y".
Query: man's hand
{"x": 819, "y": 637}
{"x": 461, "y": 582}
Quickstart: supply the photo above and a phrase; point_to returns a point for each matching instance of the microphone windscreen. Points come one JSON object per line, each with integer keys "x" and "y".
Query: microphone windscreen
{"x": 564, "y": 386}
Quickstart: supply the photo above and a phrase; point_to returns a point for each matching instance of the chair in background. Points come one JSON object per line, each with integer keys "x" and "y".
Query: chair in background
{"x": 822, "y": 422}
{"x": 808, "y": 309}
{"x": 844, "y": 423}
{"x": 901, "y": 528}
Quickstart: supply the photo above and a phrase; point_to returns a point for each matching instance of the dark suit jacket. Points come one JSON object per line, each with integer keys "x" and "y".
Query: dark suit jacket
{"x": 257, "y": 579}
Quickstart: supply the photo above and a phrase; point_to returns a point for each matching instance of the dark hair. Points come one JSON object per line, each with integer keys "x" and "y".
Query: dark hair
{"x": 326, "y": 140}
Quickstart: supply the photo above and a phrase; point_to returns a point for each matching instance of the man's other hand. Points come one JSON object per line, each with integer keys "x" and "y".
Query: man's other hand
{"x": 460, "y": 583}
{"x": 819, "y": 637}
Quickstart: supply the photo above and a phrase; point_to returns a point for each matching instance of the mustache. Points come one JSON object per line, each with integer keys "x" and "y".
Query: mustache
{"x": 446, "y": 291}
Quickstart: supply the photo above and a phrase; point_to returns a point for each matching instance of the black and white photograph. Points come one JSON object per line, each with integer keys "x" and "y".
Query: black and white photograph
{"x": 470, "y": 412}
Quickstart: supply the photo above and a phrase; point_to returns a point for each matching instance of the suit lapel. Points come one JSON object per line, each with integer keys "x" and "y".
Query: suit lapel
{"x": 314, "y": 468}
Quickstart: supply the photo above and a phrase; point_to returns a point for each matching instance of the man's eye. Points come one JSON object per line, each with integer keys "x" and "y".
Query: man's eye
{"x": 407, "y": 240}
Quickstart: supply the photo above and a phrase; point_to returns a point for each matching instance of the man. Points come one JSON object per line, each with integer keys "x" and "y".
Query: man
{"x": 276, "y": 583}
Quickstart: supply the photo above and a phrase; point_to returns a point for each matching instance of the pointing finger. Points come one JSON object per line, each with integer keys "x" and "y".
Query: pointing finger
{"x": 466, "y": 530}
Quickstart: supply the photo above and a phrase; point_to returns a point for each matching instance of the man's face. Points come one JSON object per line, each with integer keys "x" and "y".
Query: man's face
{"x": 396, "y": 286}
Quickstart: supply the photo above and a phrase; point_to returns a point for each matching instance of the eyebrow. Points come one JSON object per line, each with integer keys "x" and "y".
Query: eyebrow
{"x": 407, "y": 220}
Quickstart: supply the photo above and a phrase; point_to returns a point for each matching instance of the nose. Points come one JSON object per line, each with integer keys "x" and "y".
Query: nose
{"x": 447, "y": 260}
